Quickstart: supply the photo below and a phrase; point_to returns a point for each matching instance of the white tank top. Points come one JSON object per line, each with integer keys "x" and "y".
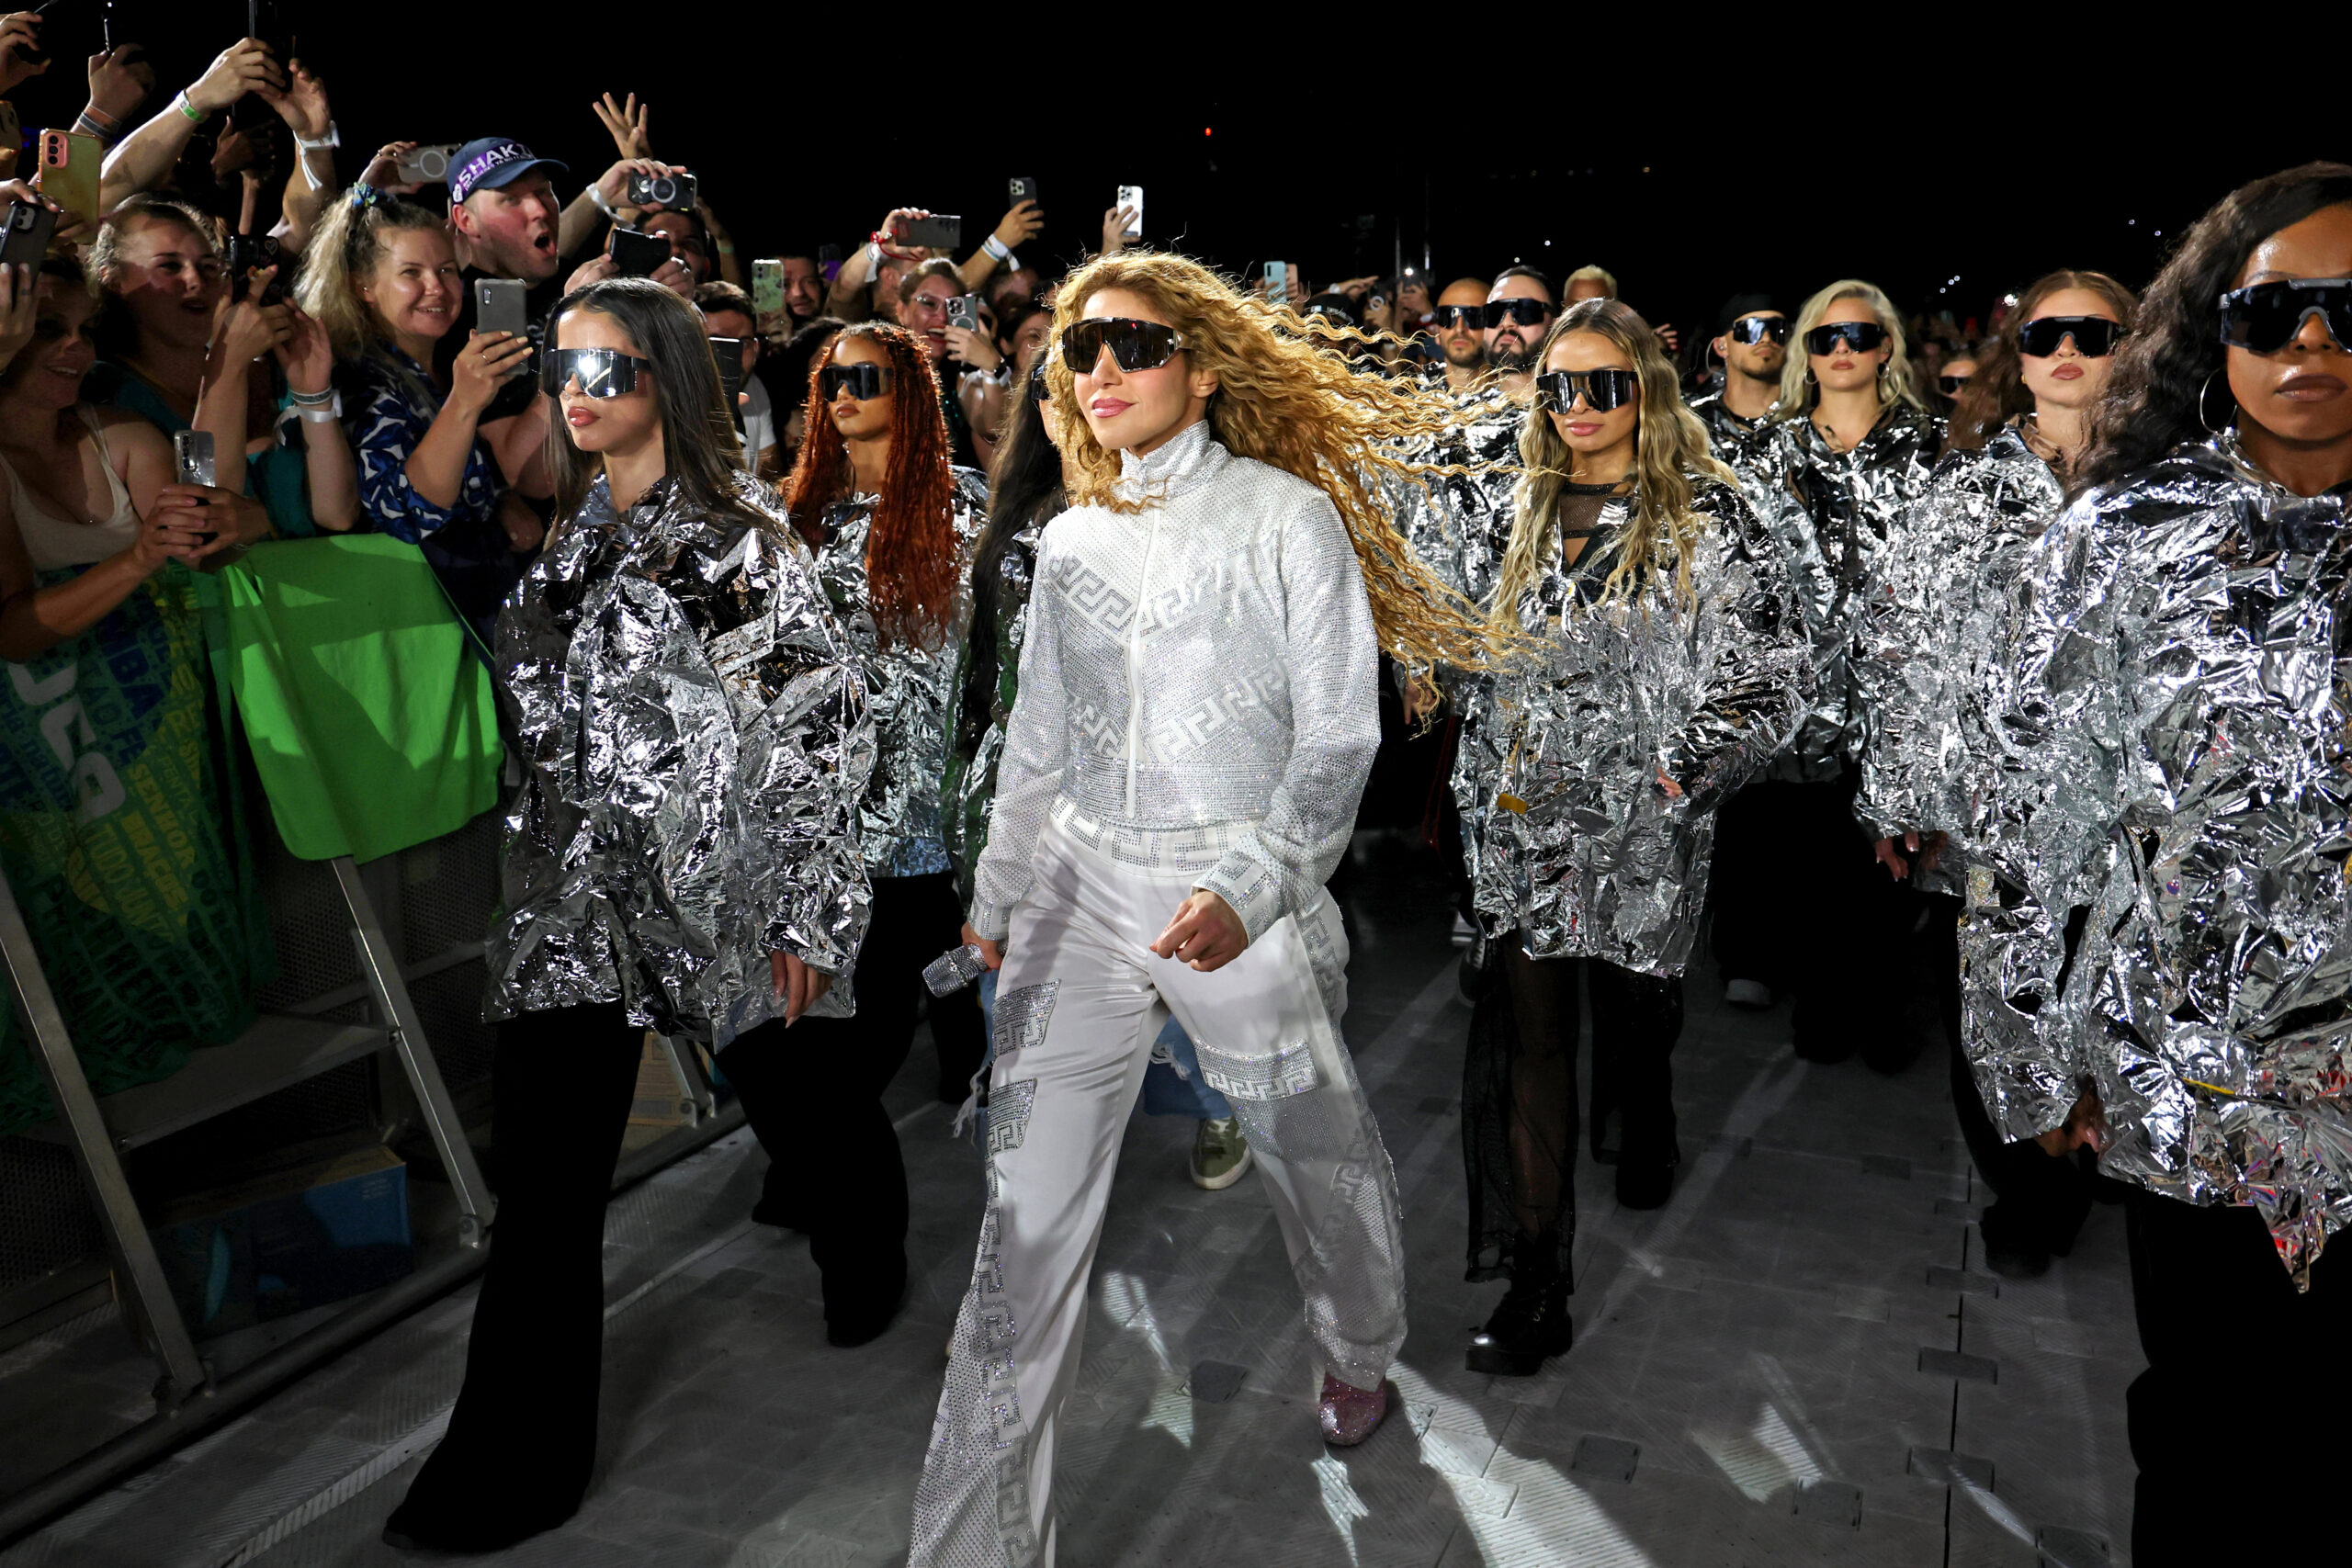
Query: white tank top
{"x": 54, "y": 541}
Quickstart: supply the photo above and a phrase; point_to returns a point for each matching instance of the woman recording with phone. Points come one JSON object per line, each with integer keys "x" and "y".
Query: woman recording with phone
{"x": 1673, "y": 664}
{"x": 1923, "y": 668}
{"x": 1831, "y": 473}
{"x": 891, "y": 525}
{"x": 120, "y": 833}
{"x": 383, "y": 277}
{"x": 682, "y": 856}
{"x": 1179, "y": 777}
{"x": 2173, "y": 706}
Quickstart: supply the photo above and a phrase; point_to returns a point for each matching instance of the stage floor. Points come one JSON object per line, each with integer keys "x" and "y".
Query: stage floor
{"x": 1799, "y": 1360}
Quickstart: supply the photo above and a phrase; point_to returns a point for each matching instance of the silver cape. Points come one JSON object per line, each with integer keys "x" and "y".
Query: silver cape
{"x": 1832, "y": 513}
{"x": 1925, "y": 638}
{"x": 693, "y": 733}
{"x": 1198, "y": 684}
{"x": 2173, "y": 708}
{"x": 911, "y": 686}
{"x": 1570, "y": 837}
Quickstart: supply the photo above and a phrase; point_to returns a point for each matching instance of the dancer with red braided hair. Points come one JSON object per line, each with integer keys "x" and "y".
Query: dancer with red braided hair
{"x": 892, "y": 526}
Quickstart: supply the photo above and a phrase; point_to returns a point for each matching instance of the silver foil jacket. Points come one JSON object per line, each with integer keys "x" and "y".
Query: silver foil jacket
{"x": 911, "y": 686}
{"x": 1925, "y": 638}
{"x": 1451, "y": 519}
{"x": 1832, "y": 513}
{"x": 1726, "y": 432}
{"x": 1602, "y": 862}
{"x": 974, "y": 786}
{"x": 694, "y": 732}
{"x": 2173, "y": 708}
{"x": 1198, "y": 687}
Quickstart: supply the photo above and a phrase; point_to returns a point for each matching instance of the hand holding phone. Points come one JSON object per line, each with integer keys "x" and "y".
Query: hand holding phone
{"x": 767, "y": 288}
{"x": 26, "y": 242}
{"x": 1131, "y": 198}
{"x": 1277, "y": 284}
{"x": 635, "y": 253}
{"x": 69, "y": 173}
{"x": 940, "y": 231}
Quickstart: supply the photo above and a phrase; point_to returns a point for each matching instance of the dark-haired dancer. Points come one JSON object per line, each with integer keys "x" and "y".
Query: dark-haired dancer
{"x": 682, "y": 856}
{"x": 2176, "y": 697}
{"x": 891, "y": 525}
{"x": 1922, "y": 667}
{"x": 1197, "y": 711}
{"x": 1674, "y": 659}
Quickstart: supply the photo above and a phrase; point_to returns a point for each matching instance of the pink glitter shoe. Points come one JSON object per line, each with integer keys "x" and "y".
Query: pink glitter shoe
{"x": 1349, "y": 1414}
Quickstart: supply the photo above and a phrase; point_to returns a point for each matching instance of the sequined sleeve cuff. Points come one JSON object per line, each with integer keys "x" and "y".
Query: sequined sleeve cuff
{"x": 1251, "y": 887}
{"x": 994, "y": 922}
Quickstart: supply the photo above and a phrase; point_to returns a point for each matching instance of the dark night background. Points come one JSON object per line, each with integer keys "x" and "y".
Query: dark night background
{"x": 1247, "y": 157}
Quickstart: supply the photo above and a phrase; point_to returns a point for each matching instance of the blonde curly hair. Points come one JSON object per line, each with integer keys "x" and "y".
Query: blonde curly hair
{"x": 1288, "y": 397}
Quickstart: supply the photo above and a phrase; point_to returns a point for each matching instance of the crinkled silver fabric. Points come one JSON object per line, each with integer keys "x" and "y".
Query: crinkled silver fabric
{"x": 1727, "y": 434}
{"x": 1450, "y": 518}
{"x": 1925, "y": 637}
{"x": 974, "y": 785}
{"x": 1209, "y": 660}
{"x": 2173, "y": 708}
{"x": 911, "y": 685}
{"x": 1832, "y": 513}
{"x": 694, "y": 736}
{"x": 1601, "y": 862}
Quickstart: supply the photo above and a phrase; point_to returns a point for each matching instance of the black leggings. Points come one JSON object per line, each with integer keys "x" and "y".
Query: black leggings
{"x": 1521, "y": 1103}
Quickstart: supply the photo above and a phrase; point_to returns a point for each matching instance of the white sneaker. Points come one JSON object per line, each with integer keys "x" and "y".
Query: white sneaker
{"x": 1748, "y": 993}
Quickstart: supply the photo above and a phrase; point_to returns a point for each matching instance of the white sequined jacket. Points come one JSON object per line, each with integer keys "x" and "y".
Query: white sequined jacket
{"x": 1198, "y": 693}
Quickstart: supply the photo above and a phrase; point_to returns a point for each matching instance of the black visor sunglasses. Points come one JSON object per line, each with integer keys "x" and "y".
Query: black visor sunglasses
{"x": 1756, "y": 329}
{"x": 1136, "y": 346}
{"x": 2265, "y": 317}
{"x": 1602, "y": 389}
{"x": 866, "y": 382}
{"x": 2095, "y": 337}
{"x": 1860, "y": 337}
{"x": 1952, "y": 384}
{"x": 601, "y": 372}
{"x": 1038, "y": 390}
{"x": 1526, "y": 312}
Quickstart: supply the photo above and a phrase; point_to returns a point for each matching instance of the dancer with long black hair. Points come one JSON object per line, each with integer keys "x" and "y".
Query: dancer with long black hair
{"x": 2174, "y": 699}
{"x": 1674, "y": 661}
{"x": 682, "y": 856}
{"x": 1197, "y": 712}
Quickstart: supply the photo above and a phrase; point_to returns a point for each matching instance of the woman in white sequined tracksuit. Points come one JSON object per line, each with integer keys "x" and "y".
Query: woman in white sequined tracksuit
{"x": 1197, "y": 713}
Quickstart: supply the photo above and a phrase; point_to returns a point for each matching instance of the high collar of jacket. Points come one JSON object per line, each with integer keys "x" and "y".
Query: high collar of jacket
{"x": 1191, "y": 458}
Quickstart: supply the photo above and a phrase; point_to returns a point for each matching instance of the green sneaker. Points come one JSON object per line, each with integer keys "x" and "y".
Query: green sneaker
{"x": 1220, "y": 1154}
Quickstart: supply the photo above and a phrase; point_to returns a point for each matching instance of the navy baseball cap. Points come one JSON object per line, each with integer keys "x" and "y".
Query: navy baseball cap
{"x": 492, "y": 162}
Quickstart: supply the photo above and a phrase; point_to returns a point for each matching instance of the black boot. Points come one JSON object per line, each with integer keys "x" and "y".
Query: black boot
{"x": 1530, "y": 1325}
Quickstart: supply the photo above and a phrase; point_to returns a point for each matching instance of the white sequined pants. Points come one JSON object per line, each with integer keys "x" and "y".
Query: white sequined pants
{"x": 1080, "y": 1002}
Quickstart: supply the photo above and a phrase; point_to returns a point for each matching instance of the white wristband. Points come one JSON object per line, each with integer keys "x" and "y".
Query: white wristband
{"x": 596, "y": 195}
{"x": 333, "y": 138}
{"x": 995, "y": 248}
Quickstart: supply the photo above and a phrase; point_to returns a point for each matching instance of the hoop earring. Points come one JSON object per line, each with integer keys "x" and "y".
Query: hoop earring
{"x": 1810, "y": 379}
{"x": 2210, "y": 428}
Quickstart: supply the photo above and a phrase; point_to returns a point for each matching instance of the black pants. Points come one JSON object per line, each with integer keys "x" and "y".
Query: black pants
{"x": 1806, "y": 906}
{"x": 834, "y": 1168}
{"x": 1521, "y": 1104}
{"x": 522, "y": 1438}
{"x": 2245, "y": 1377}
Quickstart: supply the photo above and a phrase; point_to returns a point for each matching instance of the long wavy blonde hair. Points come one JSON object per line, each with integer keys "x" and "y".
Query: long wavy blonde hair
{"x": 1287, "y": 396}
{"x": 1798, "y": 393}
{"x": 1670, "y": 451}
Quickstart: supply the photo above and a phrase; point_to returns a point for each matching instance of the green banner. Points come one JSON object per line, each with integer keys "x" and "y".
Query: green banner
{"x": 371, "y": 720}
{"x": 120, "y": 835}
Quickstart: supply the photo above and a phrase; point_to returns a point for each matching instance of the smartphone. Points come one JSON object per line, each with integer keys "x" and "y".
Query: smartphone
{"x": 69, "y": 172}
{"x": 637, "y": 255}
{"x": 767, "y": 288}
{"x": 500, "y": 306}
{"x": 1020, "y": 188}
{"x": 264, "y": 22}
{"x": 192, "y": 456}
{"x": 248, "y": 253}
{"x": 1132, "y": 195}
{"x": 964, "y": 310}
{"x": 728, "y": 352}
{"x": 425, "y": 165}
{"x": 829, "y": 257}
{"x": 1277, "y": 281}
{"x": 26, "y": 241}
{"x": 940, "y": 230}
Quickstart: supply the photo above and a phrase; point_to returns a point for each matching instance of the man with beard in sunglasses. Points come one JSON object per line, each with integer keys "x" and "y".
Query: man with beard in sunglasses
{"x": 1460, "y": 322}
{"x": 1751, "y": 338}
{"x": 1519, "y": 308}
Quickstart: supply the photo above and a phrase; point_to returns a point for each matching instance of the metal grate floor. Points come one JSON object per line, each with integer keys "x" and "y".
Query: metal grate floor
{"x": 1798, "y": 1360}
